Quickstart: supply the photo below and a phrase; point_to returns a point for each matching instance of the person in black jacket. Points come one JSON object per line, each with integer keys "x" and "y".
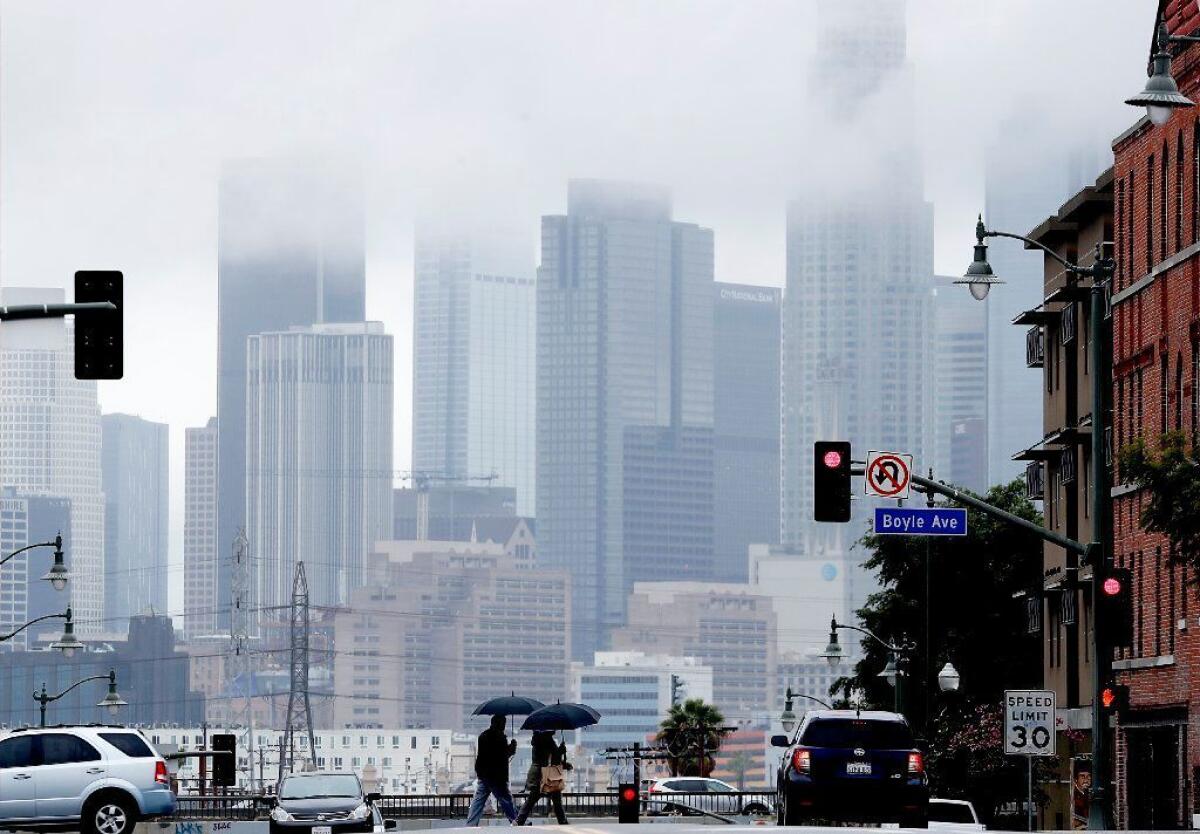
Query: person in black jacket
{"x": 491, "y": 769}
{"x": 545, "y": 752}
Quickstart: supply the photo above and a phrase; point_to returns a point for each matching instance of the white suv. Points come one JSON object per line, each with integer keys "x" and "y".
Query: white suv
{"x": 103, "y": 779}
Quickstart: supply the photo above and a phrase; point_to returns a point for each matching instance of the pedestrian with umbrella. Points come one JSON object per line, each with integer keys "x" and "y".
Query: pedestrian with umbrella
{"x": 547, "y": 770}
{"x": 492, "y": 752}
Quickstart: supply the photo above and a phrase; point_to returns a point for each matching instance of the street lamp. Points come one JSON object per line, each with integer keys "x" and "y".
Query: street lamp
{"x": 979, "y": 277}
{"x": 788, "y": 717}
{"x": 890, "y": 672}
{"x": 111, "y": 702}
{"x": 1098, "y": 552}
{"x": 1161, "y": 95}
{"x": 57, "y": 576}
{"x": 948, "y": 678}
{"x": 67, "y": 643}
{"x": 897, "y": 652}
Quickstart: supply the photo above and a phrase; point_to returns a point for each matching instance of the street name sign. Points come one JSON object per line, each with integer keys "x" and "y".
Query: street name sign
{"x": 888, "y": 474}
{"x": 920, "y": 521}
{"x": 1029, "y": 722}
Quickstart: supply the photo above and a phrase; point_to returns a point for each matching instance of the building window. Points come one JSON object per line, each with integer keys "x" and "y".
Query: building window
{"x": 1129, "y": 229}
{"x": 1171, "y": 603}
{"x": 1158, "y": 615}
{"x": 1163, "y": 202}
{"x": 1150, "y": 213}
{"x": 1179, "y": 192}
{"x": 1140, "y": 379}
{"x": 1195, "y": 390}
{"x": 1140, "y": 621}
{"x": 1178, "y": 392}
{"x": 1164, "y": 365}
{"x": 1120, "y": 232}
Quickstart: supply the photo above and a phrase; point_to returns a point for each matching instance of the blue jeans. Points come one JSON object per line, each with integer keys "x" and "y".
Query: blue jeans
{"x": 483, "y": 787}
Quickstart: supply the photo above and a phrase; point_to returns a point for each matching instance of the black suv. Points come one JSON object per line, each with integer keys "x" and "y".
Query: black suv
{"x": 852, "y": 766}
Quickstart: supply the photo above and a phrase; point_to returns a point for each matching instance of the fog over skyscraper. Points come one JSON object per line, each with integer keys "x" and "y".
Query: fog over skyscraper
{"x": 319, "y": 456}
{"x": 625, "y": 399}
{"x": 859, "y": 271}
{"x": 290, "y": 252}
{"x": 134, "y": 467}
{"x": 473, "y": 363}
{"x": 50, "y": 440}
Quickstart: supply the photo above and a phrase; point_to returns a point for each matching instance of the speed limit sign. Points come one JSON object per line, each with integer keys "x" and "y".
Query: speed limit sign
{"x": 1029, "y": 722}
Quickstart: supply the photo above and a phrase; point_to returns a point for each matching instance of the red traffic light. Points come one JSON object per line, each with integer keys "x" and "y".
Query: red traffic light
{"x": 1112, "y": 586}
{"x": 629, "y": 794}
{"x": 833, "y": 459}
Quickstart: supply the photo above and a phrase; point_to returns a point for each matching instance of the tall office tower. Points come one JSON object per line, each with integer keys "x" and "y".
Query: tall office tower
{"x": 960, "y": 387}
{"x": 50, "y": 440}
{"x": 625, "y": 399}
{"x": 319, "y": 456}
{"x": 1024, "y": 184}
{"x": 746, "y": 347}
{"x": 290, "y": 252}
{"x": 24, "y": 595}
{"x": 200, "y": 552}
{"x": 856, "y": 312}
{"x": 133, "y": 465}
{"x": 473, "y": 364}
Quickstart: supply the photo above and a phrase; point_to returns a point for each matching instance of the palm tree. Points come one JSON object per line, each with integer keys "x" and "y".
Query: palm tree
{"x": 692, "y": 732}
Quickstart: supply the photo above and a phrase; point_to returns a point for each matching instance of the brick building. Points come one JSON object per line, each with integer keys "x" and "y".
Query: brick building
{"x": 1156, "y": 333}
{"x": 1059, "y": 473}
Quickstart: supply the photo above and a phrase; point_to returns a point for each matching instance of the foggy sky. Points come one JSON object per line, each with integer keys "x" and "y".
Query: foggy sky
{"x": 115, "y": 118}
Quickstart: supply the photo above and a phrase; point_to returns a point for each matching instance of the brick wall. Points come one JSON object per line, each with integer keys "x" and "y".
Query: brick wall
{"x": 1156, "y": 323}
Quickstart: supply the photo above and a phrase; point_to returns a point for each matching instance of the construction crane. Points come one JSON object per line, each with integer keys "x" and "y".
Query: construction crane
{"x": 423, "y": 481}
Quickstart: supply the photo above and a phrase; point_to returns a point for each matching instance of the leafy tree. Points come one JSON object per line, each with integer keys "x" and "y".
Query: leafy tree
{"x": 692, "y": 732}
{"x": 974, "y": 622}
{"x": 738, "y": 764}
{"x": 1170, "y": 479}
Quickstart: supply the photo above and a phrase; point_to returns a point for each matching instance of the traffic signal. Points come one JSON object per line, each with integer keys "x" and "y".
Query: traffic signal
{"x": 627, "y": 803}
{"x": 1114, "y": 699}
{"x": 831, "y": 480}
{"x": 99, "y": 343}
{"x": 1114, "y": 606}
{"x": 224, "y": 764}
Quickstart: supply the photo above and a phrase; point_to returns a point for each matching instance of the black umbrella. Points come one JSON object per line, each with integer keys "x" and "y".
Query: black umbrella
{"x": 513, "y": 704}
{"x": 562, "y": 717}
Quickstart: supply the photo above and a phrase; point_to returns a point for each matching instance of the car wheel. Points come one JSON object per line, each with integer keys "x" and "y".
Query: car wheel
{"x": 109, "y": 814}
{"x": 756, "y": 809}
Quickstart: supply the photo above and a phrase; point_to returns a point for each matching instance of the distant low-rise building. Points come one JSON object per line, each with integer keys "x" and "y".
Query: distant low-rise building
{"x": 442, "y": 627}
{"x": 731, "y": 628}
{"x": 632, "y": 690}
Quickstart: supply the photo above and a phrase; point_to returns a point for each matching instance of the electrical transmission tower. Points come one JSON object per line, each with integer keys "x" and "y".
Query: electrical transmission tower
{"x": 239, "y": 666}
{"x": 299, "y": 712}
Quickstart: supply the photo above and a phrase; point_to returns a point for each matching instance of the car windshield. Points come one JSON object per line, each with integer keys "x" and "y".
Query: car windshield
{"x": 856, "y": 732}
{"x": 319, "y": 787}
{"x": 950, "y": 812}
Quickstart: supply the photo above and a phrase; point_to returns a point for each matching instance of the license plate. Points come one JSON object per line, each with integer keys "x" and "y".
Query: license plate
{"x": 858, "y": 768}
{"x": 322, "y": 829}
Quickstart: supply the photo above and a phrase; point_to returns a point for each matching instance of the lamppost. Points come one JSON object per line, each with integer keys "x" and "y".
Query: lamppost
{"x": 57, "y": 576}
{"x": 979, "y": 278}
{"x": 897, "y": 655}
{"x": 111, "y": 702}
{"x": 1161, "y": 94}
{"x": 67, "y": 643}
{"x": 788, "y": 717}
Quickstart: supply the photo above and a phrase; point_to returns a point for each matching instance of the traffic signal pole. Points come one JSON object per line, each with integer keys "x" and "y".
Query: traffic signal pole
{"x": 16, "y": 312}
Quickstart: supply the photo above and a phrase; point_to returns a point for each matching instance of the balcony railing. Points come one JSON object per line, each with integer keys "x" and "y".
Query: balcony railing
{"x": 1035, "y": 481}
{"x": 1066, "y": 466}
{"x": 1068, "y": 323}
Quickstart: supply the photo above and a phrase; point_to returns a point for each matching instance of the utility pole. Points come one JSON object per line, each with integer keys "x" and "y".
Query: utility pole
{"x": 239, "y": 665}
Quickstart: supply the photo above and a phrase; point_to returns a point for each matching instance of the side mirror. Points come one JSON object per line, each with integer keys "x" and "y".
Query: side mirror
{"x": 780, "y": 741}
{"x": 389, "y": 825}
{"x": 374, "y": 796}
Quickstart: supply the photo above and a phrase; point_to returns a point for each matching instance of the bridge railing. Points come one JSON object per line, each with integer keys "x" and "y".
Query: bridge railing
{"x": 455, "y": 806}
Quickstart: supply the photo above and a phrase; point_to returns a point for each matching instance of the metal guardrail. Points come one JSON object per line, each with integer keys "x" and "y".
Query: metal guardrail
{"x": 455, "y": 806}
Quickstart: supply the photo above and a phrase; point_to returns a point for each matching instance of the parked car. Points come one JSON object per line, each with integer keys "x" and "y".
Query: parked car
{"x": 100, "y": 779}
{"x": 326, "y": 803}
{"x": 710, "y": 795}
{"x": 958, "y": 814}
{"x": 852, "y": 766}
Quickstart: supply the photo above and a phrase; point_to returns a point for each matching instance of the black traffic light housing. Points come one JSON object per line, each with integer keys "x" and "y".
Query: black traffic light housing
{"x": 628, "y": 802}
{"x": 224, "y": 764}
{"x": 1114, "y": 606}
{"x": 831, "y": 481}
{"x": 99, "y": 340}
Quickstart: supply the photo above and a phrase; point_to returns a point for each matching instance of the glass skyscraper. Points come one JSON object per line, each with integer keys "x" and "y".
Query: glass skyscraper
{"x": 290, "y": 251}
{"x": 473, "y": 367}
{"x": 624, "y": 399}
